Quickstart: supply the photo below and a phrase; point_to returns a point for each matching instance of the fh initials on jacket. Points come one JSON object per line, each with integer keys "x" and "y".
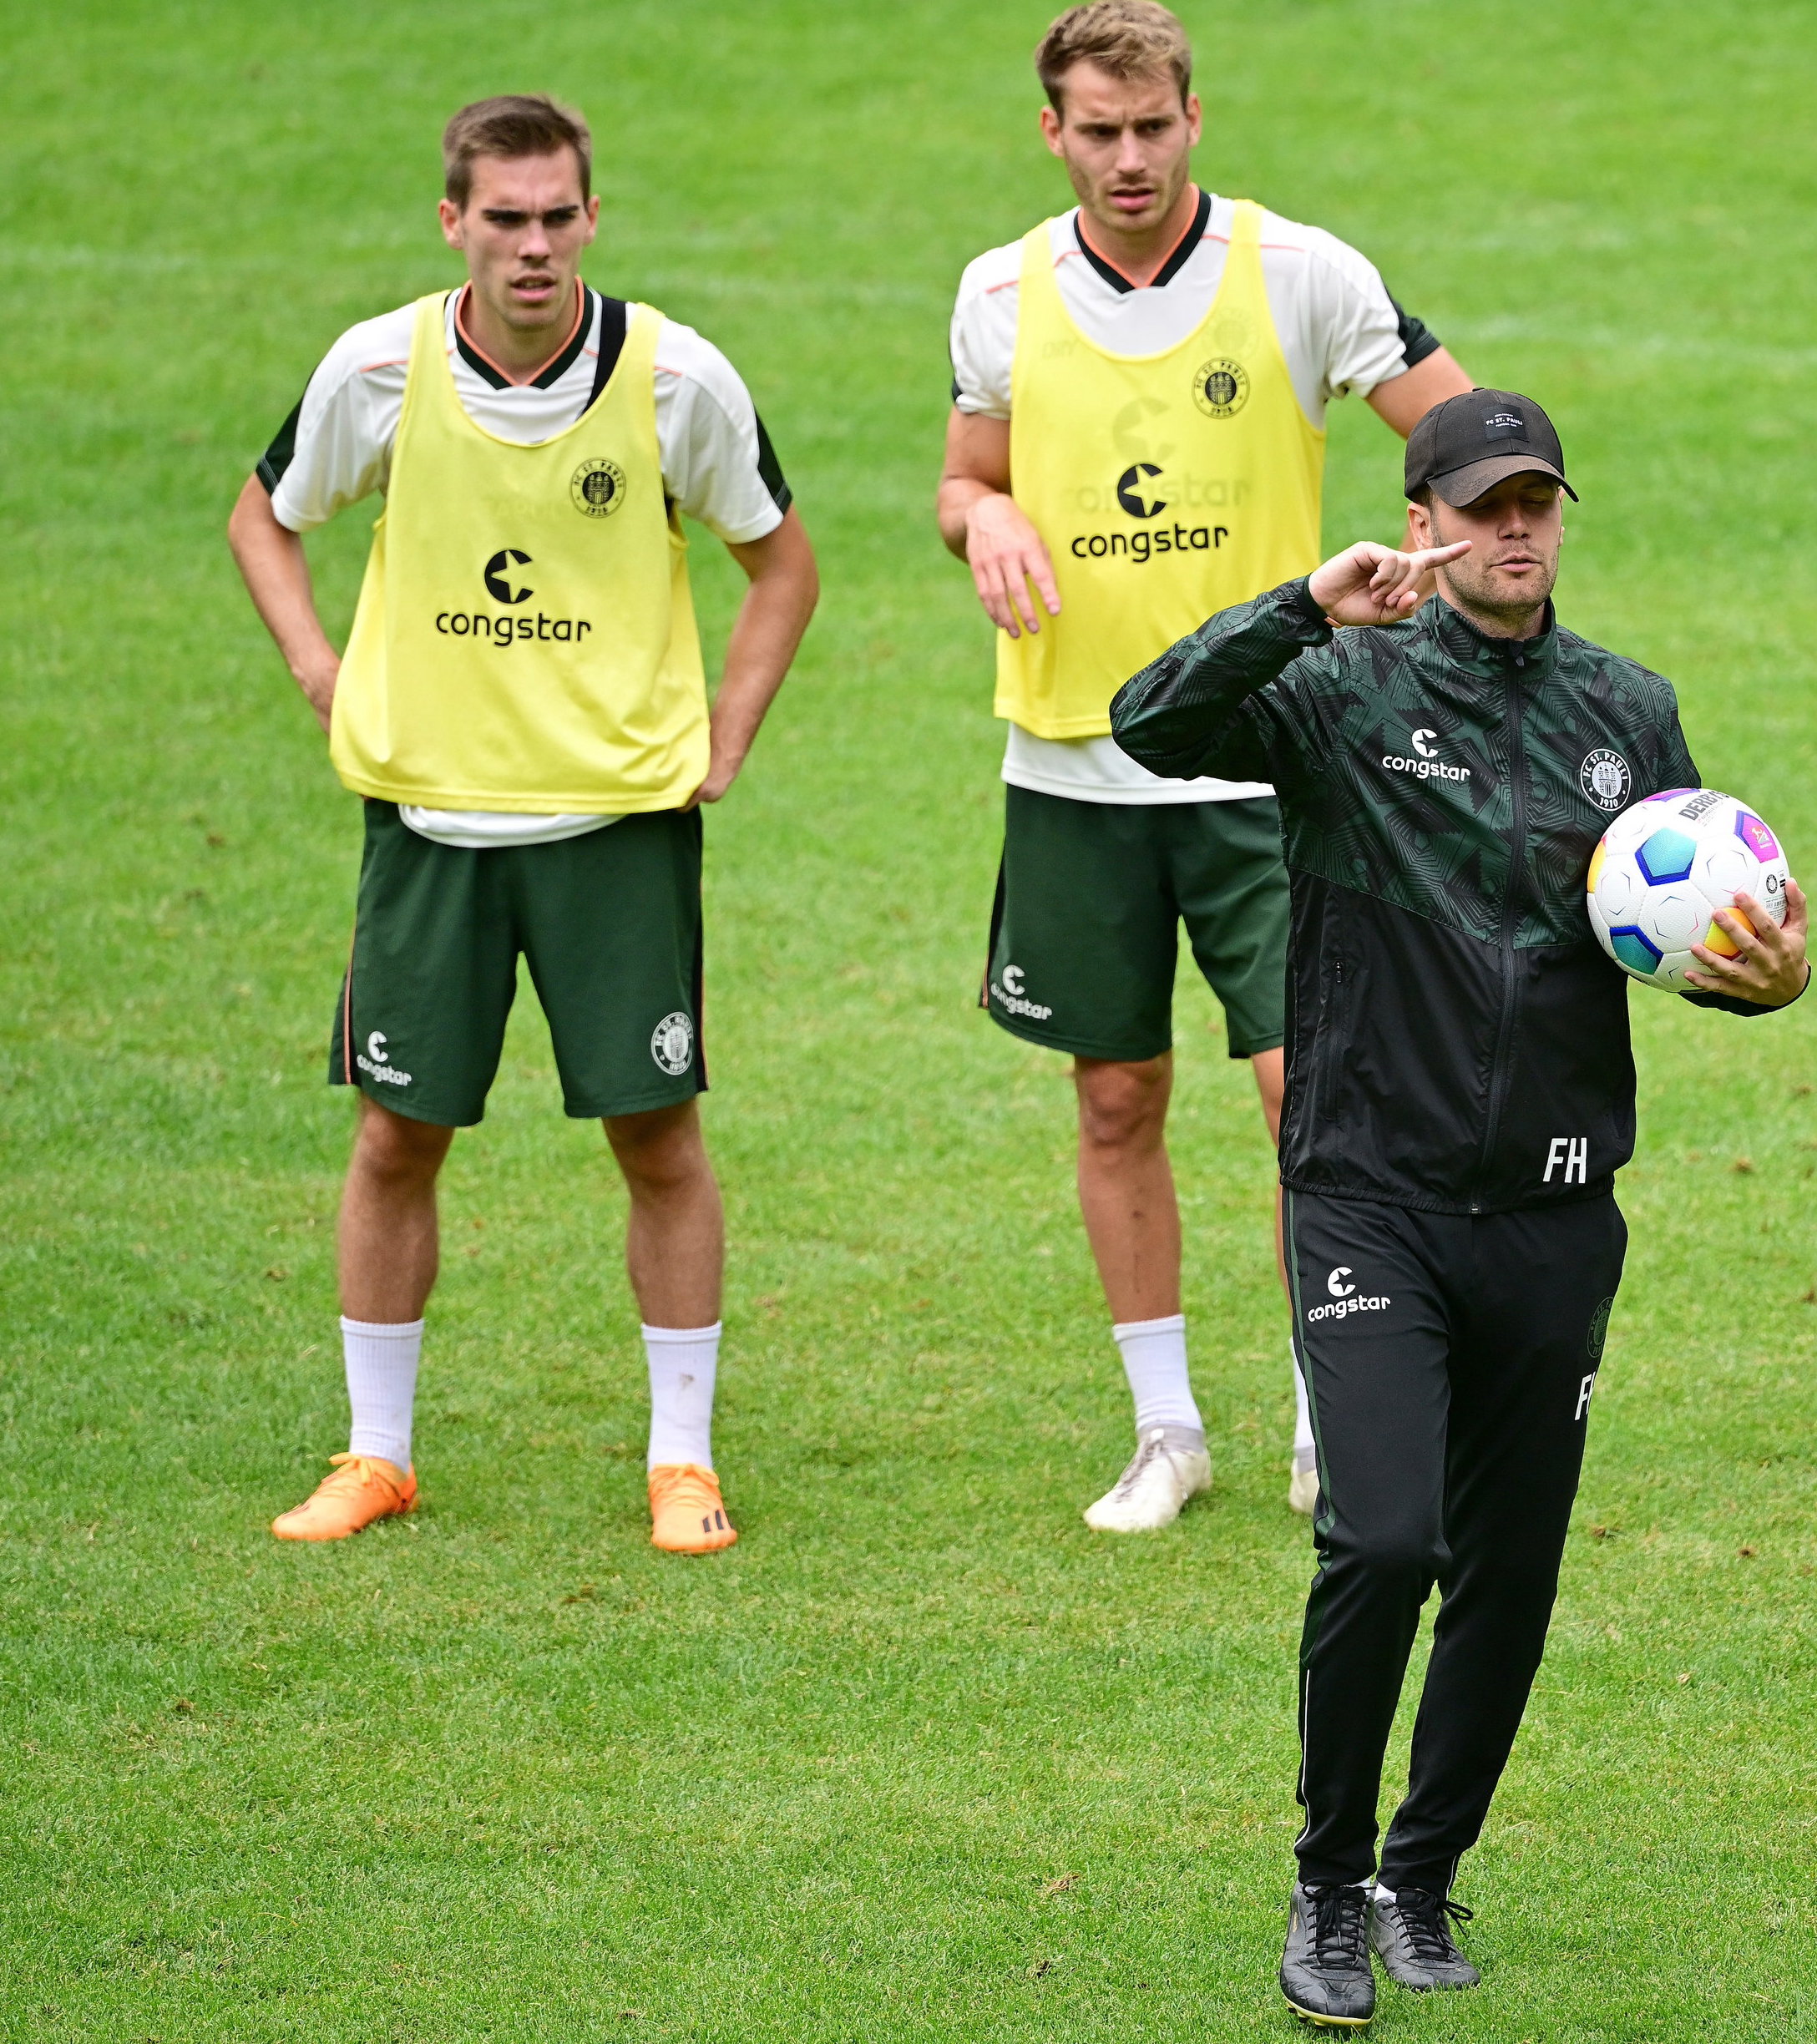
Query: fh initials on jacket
{"x": 1572, "y": 1152}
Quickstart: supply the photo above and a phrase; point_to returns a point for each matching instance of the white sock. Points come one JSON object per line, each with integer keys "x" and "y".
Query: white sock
{"x": 683, "y": 1362}
{"x": 381, "y": 1385}
{"x": 1154, "y": 1360}
{"x": 1305, "y": 1451}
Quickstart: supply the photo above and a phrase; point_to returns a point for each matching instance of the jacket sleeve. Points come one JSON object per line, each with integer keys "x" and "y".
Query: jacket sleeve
{"x": 1678, "y": 769}
{"x": 1190, "y": 712}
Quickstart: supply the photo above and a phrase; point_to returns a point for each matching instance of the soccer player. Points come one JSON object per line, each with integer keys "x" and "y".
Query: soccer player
{"x": 522, "y": 705}
{"x": 1137, "y": 439}
{"x": 1443, "y": 778}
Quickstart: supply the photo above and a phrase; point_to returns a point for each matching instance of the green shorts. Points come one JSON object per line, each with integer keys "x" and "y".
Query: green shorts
{"x": 610, "y": 925}
{"x": 1084, "y": 935}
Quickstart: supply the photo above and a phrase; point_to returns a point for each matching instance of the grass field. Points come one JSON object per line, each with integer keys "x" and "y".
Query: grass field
{"x": 920, "y": 1758}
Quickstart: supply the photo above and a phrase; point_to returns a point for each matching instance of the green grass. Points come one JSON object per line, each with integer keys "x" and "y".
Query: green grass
{"x": 502, "y": 1772}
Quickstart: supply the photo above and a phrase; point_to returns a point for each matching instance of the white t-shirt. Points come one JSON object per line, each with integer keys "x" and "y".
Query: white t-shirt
{"x": 336, "y": 448}
{"x": 1340, "y": 332}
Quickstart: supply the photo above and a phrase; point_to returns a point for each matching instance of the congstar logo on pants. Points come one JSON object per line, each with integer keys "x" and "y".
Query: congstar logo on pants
{"x": 1347, "y": 1298}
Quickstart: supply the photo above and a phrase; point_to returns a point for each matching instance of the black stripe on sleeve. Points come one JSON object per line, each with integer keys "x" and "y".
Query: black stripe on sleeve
{"x": 281, "y": 452}
{"x": 770, "y": 469}
{"x": 1417, "y": 339}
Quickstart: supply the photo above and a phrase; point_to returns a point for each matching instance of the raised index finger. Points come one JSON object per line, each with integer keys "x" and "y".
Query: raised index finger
{"x": 1436, "y": 557}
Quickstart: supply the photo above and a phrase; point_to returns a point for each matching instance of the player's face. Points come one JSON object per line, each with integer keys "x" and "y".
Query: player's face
{"x": 1126, "y": 142}
{"x": 1515, "y": 531}
{"x": 521, "y": 231}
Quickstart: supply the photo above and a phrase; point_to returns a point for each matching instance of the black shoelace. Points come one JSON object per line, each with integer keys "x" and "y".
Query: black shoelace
{"x": 1424, "y": 1915}
{"x": 1340, "y": 1919}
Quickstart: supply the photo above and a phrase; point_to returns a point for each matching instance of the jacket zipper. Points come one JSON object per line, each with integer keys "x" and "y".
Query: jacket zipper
{"x": 1499, "y": 1077}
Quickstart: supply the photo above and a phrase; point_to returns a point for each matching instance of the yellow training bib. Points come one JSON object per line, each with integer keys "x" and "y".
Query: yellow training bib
{"x": 1166, "y": 486}
{"x": 525, "y": 637}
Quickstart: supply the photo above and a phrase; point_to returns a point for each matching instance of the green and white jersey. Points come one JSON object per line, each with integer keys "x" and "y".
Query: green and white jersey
{"x": 336, "y": 447}
{"x": 1341, "y": 333}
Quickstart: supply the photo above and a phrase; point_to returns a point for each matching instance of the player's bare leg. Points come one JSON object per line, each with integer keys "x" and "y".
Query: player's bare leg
{"x": 674, "y": 1249}
{"x": 1125, "y": 1184}
{"x": 389, "y": 1250}
{"x": 388, "y": 1239}
{"x": 1132, "y": 1222}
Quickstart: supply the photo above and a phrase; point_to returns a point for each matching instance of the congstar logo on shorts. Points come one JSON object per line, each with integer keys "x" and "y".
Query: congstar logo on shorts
{"x": 1346, "y": 1298}
{"x": 1009, "y": 992}
{"x": 375, "y": 1061}
{"x": 503, "y": 584}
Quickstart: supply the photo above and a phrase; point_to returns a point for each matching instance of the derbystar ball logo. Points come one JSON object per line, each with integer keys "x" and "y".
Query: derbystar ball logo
{"x": 504, "y": 585}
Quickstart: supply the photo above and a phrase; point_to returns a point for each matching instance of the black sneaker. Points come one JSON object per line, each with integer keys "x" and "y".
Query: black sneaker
{"x": 1325, "y": 1971}
{"x": 1413, "y": 1933}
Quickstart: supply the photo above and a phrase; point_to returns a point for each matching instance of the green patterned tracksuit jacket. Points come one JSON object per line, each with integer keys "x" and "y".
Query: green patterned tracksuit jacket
{"x": 1457, "y": 1040}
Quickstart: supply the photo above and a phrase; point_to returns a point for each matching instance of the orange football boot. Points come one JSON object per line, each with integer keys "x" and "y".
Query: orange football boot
{"x": 362, "y": 1487}
{"x": 687, "y": 1514}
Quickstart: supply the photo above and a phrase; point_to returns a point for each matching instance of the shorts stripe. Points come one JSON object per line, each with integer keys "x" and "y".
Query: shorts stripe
{"x": 346, "y": 1012}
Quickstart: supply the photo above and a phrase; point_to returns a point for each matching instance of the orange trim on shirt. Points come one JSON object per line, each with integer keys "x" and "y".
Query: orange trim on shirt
{"x": 1078, "y": 229}
{"x": 567, "y": 339}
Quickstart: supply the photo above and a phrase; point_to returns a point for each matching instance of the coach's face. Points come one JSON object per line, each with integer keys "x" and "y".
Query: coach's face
{"x": 1125, "y": 143}
{"x": 1515, "y": 531}
{"x": 521, "y": 231}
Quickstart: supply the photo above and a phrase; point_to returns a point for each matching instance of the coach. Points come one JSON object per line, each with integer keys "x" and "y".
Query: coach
{"x": 522, "y": 705}
{"x": 1139, "y": 389}
{"x": 1453, "y": 1017}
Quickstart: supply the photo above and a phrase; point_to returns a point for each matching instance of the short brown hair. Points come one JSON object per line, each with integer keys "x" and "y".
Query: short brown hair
{"x": 515, "y": 124}
{"x": 1128, "y": 38}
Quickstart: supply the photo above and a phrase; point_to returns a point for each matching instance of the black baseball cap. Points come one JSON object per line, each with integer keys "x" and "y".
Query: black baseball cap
{"x": 1467, "y": 445}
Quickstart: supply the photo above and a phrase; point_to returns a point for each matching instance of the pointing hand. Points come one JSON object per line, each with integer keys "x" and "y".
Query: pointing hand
{"x": 1372, "y": 585}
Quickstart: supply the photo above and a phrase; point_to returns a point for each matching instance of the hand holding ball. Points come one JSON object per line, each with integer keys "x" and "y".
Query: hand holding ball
{"x": 1665, "y": 888}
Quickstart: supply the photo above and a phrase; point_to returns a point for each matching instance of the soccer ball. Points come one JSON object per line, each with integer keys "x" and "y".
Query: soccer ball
{"x": 1664, "y": 867}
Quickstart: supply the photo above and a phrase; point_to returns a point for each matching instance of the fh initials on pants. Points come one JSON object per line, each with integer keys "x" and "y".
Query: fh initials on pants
{"x": 1573, "y": 1152}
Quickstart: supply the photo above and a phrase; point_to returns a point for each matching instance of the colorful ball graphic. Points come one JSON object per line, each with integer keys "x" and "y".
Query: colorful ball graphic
{"x": 1665, "y": 867}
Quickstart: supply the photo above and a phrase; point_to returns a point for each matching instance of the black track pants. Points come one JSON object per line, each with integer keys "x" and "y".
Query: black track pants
{"x": 1450, "y": 1363}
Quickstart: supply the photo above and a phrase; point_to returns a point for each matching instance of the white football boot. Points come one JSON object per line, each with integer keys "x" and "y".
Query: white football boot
{"x": 1302, "y": 1490}
{"x": 1165, "y": 1471}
